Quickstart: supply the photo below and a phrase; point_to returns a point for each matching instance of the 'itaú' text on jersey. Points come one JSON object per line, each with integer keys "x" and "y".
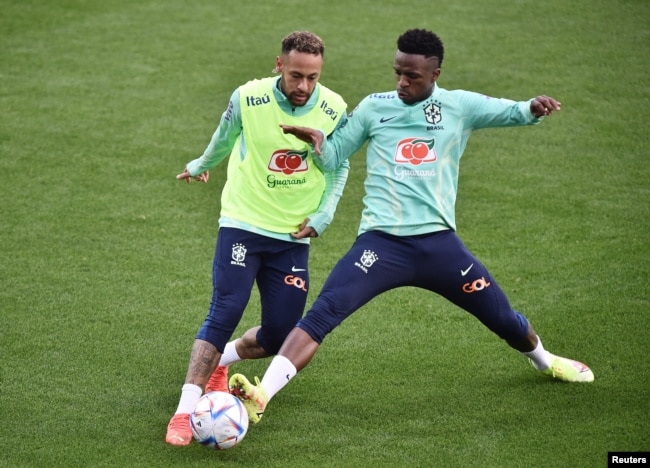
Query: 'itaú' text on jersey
{"x": 414, "y": 152}
{"x": 275, "y": 186}
{"x": 272, "y": 185}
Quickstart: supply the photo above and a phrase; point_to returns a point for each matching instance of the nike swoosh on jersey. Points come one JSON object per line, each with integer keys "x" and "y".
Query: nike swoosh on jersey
{"x": 384, "y": 120}
{"x": 294, "y": 269}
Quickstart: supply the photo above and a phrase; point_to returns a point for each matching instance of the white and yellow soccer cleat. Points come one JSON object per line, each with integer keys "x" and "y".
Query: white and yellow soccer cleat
{"x": 568, "y": 370}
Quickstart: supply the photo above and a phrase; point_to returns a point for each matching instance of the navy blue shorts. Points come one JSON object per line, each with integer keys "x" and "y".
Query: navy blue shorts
{"x": 438, "y": 262}
{"x": 280, "y": 269}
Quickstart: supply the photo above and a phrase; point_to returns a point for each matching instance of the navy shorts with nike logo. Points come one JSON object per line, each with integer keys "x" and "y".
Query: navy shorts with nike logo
{"x": 280, "y": 269}
{"x": 438, "y": 262}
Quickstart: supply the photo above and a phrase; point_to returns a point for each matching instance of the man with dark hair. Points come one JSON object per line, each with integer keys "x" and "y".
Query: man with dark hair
{"x": 304, "y": 42}
{"x": 275, "y": 199}
{"x": 416, "y": 136}
{"x": 421, "y": 42}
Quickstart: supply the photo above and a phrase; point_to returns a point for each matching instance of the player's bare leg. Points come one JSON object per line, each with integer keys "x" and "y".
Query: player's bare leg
{"x": 246, "y": 347}
{"x": 299, "y": 348}
{"x": 203, "y": 360}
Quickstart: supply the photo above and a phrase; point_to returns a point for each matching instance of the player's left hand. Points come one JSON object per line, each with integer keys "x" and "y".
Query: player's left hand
{"x": 304, "y": 231}
{"x": 544, "y": 105}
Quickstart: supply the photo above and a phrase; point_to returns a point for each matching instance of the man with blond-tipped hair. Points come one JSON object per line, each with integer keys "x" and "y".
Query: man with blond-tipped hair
{"x": 274, "y": 201}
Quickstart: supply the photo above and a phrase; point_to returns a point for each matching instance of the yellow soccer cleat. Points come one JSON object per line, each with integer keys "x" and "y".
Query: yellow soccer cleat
{"x": 253, "y": 396}
{"x": 568, "y": 370}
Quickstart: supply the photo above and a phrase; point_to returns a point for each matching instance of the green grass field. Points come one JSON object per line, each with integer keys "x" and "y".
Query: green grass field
{"x": 105, "y": 259}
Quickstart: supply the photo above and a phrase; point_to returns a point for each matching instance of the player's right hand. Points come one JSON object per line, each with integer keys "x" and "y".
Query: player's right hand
{"x": 185, "y": 175}
{"x": 308, "y": 135}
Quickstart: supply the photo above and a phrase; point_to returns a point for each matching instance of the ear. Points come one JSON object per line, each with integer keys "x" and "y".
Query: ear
{"x": 435, "y": 75}
{"x": 278, "y": 65}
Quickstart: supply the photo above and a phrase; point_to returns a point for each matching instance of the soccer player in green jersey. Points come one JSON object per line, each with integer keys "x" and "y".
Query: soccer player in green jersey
{"x": 416, "y": 136}
{"x": 274, "y": 200}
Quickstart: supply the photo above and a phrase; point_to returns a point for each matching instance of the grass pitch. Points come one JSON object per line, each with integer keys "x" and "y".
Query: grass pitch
{"x": 105, "y": 259}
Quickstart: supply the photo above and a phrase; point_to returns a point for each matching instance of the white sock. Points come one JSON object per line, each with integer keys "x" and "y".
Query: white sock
{"x": 540, "y": 358}
{"x": 190, "y": 395}
{"x": 278, "y": 374}
{"x": 230, "y": 355}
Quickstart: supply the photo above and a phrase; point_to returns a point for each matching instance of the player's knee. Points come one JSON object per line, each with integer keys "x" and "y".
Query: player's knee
{"x": 271, "y": 339}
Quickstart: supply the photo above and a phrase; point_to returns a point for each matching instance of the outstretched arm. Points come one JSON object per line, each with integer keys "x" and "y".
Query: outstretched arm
{"x": 221, "y": 144}
{"x": 333, "y": 149}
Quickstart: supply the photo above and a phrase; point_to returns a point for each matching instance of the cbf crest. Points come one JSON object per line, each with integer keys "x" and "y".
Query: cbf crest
{"x": 368, "y": 258}
{"x": 238, "y": 255}
{"x": 432, "y": 114}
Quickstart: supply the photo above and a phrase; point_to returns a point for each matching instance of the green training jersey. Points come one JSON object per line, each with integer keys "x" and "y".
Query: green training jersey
{"x": 273, "y": 184}
{"x": 414, "y": 152}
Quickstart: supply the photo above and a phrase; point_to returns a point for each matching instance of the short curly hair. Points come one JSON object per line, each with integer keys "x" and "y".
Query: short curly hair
{"x": 303, "y": 41}
{"x": 421, "y": 42}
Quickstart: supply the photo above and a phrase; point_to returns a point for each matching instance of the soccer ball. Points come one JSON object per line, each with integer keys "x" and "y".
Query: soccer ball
{"x": 219, "y": 421}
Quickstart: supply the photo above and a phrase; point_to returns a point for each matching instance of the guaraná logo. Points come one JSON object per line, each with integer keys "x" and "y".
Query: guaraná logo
{"x": 415, "y": 151}
{"x": 288, "y": 161}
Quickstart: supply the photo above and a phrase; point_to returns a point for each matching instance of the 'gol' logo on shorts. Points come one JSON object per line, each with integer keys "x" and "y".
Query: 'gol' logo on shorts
{"x": 476, "y": 285}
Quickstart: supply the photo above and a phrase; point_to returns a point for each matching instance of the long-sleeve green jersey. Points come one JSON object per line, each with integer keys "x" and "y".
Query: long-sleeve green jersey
{"x": 414, "y": 152}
